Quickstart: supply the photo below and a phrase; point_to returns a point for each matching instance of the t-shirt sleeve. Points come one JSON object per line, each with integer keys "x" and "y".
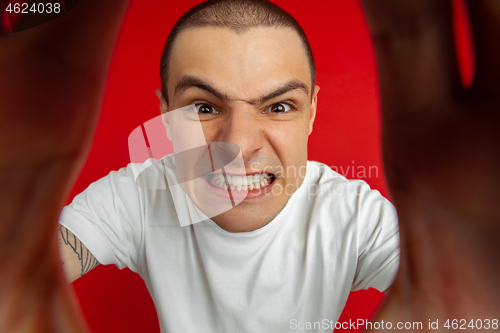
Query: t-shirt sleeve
{"x": 106, "y": 218}
{"x": 378, "y": 241}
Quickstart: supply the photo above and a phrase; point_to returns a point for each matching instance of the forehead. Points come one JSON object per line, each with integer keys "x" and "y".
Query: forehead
{"x": 242, "y": 64}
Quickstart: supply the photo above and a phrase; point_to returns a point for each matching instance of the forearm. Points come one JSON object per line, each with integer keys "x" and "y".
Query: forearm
{"x": 53, "y": 78}
{"x": 34, "y": 296}
{"x": 448, "y": 269}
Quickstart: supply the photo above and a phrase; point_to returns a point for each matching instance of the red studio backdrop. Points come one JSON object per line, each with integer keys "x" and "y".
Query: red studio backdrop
{"x": 346, "y": 133}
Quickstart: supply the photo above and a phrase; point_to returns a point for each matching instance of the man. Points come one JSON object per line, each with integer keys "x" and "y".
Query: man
{"x": 444, "y": 180}
{"x": 302, "y": 238}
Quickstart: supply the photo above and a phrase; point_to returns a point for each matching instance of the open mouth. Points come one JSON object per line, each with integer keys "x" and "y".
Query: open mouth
{"x": 241, "y": 183}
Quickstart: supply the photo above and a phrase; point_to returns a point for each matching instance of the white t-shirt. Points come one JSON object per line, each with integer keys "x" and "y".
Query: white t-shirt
{"x": 334, "y": 235}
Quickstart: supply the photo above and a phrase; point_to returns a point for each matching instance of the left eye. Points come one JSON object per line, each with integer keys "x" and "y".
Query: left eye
{"x": 279, "y": 108}
{"x": 204, "y": 108}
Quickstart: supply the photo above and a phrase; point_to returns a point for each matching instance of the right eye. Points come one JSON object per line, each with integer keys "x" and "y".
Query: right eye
{"x": 206, "y": 109}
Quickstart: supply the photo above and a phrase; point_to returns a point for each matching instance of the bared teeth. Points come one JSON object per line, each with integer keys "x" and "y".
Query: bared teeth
{"x": 242, "y": 183}
{"x": 237, "y": 181}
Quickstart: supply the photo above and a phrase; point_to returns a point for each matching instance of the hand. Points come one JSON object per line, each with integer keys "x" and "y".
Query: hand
{"x": 441, "y": 149}
{"x": 52, "y": 79}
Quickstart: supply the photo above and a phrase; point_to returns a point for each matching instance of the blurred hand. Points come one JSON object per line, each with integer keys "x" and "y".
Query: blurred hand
{"x": 52, "y": 81}
{"x": 441, "y": 148}
{"x": 441, "y": 154}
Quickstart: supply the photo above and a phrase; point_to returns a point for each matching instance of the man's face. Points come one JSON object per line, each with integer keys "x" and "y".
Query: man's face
{"x": 254, "y": 90}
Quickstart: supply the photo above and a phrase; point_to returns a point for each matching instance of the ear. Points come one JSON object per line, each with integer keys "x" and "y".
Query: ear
{"x": 163, "y": 103}
{"x": 314, "y": 104}
{"x": 163, "y": 111}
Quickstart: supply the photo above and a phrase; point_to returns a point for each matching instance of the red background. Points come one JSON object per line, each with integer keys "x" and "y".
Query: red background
{"x": 346, "y": 132}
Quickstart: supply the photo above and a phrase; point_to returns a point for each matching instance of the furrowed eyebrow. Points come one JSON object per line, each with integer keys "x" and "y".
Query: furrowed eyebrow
{"x": 289, "y": 86}
{"x": 189, "y": 81}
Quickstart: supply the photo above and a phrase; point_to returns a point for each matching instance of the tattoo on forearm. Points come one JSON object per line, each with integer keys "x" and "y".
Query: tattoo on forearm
{"x": 86, "y": 258}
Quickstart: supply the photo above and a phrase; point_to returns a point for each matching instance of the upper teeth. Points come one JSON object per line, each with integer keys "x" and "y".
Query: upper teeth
{"x": 242, "y": 182}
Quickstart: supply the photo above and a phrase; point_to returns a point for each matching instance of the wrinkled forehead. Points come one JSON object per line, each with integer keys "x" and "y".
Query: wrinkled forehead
{"x": 242, "y": 64}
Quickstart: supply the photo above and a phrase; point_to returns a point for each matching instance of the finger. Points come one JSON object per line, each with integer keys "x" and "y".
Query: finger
{"x": 415, "y": 52}
{"x": 485, "y": 21}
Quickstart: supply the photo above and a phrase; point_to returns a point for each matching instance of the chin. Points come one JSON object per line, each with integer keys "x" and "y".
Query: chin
{"x": 243, "y": 218}
{"x": 250, "y": 215}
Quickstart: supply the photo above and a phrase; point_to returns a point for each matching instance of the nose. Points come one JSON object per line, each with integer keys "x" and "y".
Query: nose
{"x": 243, "y": 127}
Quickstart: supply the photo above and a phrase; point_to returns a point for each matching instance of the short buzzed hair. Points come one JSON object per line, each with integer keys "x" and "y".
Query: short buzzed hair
{"x": 238, "y": 15}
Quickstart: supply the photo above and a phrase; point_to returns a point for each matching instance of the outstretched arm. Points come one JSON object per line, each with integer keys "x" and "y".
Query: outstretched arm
{"x": 441, "y": 148}
{"x": 52, "y": 79}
